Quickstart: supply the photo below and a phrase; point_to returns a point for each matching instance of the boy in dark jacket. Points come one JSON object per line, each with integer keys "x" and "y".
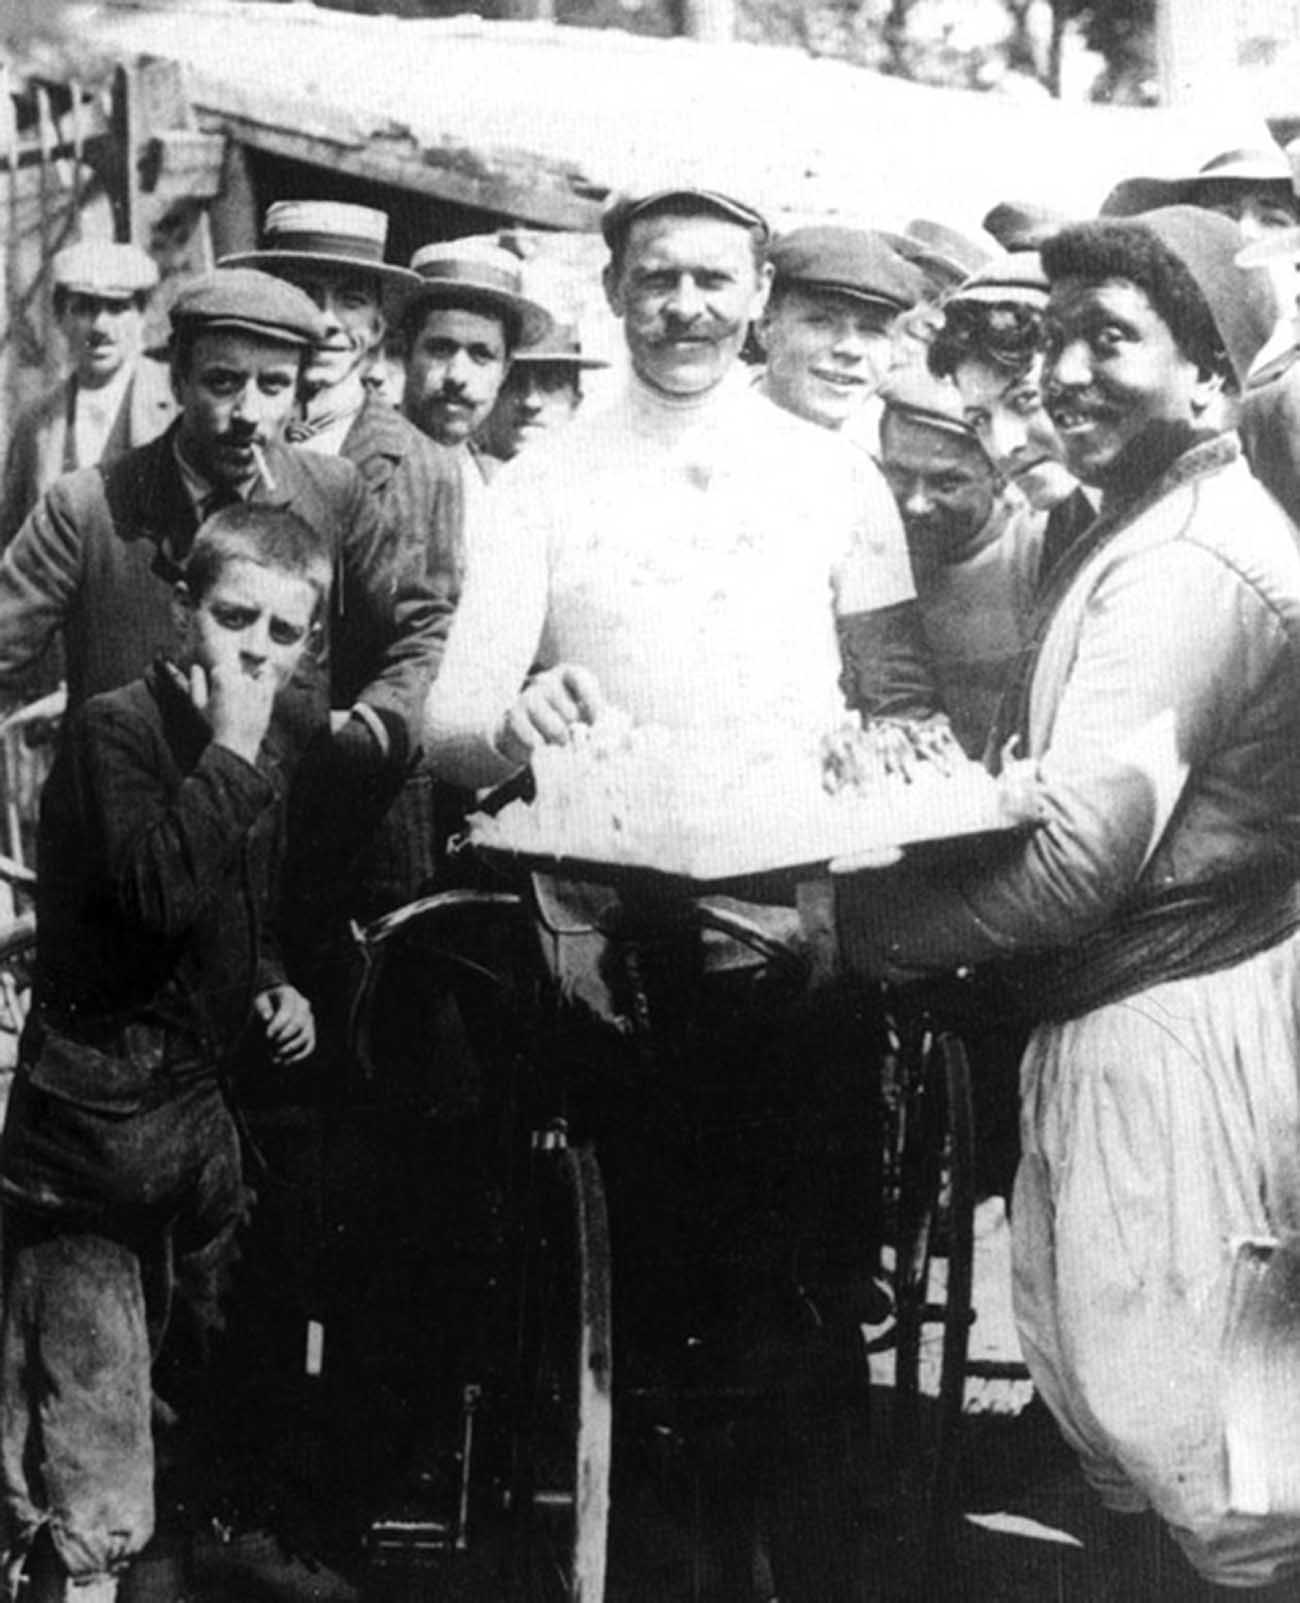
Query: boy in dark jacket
{"x": 120, "y": 1167}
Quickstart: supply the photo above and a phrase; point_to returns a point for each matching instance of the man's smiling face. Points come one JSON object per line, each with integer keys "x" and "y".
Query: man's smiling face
{"x": 1116, "y": 381}
{"x": 828, "y": 352}
{"x": 687, "y": 289}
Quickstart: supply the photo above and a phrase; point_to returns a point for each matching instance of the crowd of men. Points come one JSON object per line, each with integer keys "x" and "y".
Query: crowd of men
{"x": 1030, "y": 494}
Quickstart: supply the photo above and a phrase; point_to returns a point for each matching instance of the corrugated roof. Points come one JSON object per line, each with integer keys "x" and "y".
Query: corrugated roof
{"x": 562, "y": 114}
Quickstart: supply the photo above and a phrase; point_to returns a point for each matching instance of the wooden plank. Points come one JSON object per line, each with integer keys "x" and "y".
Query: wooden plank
{"x": 538, "y": 198}
{"x": 13, "y": 221}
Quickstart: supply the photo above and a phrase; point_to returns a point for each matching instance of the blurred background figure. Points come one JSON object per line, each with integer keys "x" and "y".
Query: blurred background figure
{"x": 112, "y": 398}
{"x": 541, "y": 393}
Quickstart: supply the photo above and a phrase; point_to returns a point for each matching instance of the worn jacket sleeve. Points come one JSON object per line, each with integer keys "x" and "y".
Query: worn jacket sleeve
{"x": 390, "y": 603}
{"x": 1173, "y": 650}
{"x": 40, "y": 572}
{"x": 886, "y": 667}
{"x": 886, "y": 664}
{"x": 161, "y": 853}
{"x": 17, "y": 490}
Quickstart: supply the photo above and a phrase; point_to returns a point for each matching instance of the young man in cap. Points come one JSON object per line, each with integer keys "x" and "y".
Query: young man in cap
{"x": 334, "y": 253}
{"x": 827, "y": 329}
{"x": 113, "y": 398}
{"x": 620, "y": 489}
{"x": 120, "y": 1167}
{"x": 95, "y": 558}
{"x": 974, "y": 551}
{"x": 1151, "y": 920}
{"x": 541, "y": 393}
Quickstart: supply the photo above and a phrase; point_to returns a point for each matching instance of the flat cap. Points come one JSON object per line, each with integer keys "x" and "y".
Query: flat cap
{"x": 623, "y": 208}
{"x": 1022, "y": 224}
{"x": 105, "y": 268}
{"x": 914, "y": 393}
{"x": 854, "y": 261}
{"x": 252, "y": 301}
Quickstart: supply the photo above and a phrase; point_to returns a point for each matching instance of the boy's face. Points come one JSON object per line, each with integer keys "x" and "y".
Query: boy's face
{"x": 827, "y": 353}
{"x": 252, "y": 620}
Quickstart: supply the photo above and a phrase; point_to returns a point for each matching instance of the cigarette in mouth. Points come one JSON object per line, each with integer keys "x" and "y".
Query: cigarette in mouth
{"x": 263, "y": 472}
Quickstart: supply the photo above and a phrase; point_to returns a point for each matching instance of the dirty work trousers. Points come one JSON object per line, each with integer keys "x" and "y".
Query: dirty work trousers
{"x": 110, "y": 1222}
{"x": 1153, "y": 1131}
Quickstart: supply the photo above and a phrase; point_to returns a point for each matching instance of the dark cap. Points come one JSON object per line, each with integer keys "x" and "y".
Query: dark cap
{"x": 623, "y": 208}
{"x": 254, "y": 302}
{"x": 914, "y": 393}
{"x": 853, "y": 261}
{"x": 1242, "y": 304}
{"x": 1022, "y": 224}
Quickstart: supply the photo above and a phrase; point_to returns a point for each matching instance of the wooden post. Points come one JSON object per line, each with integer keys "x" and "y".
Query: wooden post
{"x": 9, "y": 259}
{"x": 127, "y": 137}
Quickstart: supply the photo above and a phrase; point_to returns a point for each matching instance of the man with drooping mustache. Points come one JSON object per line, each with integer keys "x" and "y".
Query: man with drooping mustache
{"x": 1150, "y": 922}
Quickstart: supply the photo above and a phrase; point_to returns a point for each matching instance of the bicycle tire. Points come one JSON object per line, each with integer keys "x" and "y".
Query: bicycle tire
{"x": 563, "y": 1421}
{"x": 934, "y": 1219}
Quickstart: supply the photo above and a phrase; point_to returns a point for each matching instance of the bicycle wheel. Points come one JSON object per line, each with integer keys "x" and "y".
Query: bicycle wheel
{"x": 933, "y": 1253}
{"x": 562, "y": 1427}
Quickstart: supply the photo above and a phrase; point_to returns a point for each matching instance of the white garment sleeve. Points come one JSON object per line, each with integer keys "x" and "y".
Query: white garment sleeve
{"x": 873, "y": 569}
{"x": 494, "y": 638}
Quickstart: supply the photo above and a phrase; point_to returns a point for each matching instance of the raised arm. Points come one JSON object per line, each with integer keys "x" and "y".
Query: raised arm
{"x": 497, "y": 639}
{"x": 886, "y": 668}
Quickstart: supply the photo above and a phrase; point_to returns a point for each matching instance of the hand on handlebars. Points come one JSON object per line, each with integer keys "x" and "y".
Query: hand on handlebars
{"x": 547, "y": 709}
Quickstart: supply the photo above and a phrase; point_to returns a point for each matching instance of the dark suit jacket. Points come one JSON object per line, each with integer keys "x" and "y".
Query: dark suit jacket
{"x": 1270, "y": 432}
{"x": 418, "y": 485}
{"x": 99, "y": 553}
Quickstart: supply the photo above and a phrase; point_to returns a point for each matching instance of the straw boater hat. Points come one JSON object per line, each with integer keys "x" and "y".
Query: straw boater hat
{"x": 477, "y": 272}
{"x": 1265, "y": 167}
{"x": 328, "y": 233}
{"x": 104, "y": 268}
{"x": 561, "y": 347}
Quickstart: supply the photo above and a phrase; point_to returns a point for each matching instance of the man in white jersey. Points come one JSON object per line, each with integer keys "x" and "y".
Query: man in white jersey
{"x": 690, "y": 553}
